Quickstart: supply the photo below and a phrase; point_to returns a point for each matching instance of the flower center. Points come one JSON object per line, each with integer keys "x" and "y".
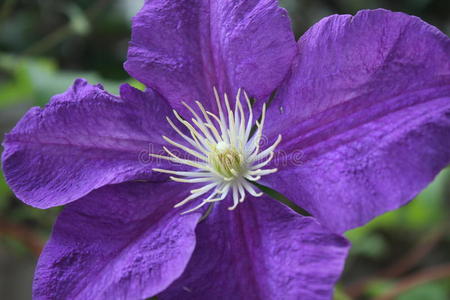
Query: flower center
{"x": 226, "y": 160}
{"x": 224, "y": 155}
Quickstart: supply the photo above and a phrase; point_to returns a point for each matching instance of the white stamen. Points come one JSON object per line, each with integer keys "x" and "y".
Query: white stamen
{"x": 224, "y": 156}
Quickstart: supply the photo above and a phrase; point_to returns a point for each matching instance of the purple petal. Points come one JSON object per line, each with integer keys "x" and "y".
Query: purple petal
{"x": 84, "y": 139}
{"x": 366, "y": 116}
{"x": 261, "y": 250}
{"x": 184, "y": 48}
{"x": 122, "y": 241}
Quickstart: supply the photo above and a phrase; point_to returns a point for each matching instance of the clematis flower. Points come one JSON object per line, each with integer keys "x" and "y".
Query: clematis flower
{"x": 349, "y": 122}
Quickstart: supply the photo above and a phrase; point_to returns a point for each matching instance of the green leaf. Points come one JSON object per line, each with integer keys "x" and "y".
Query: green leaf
{"x": 5, "y": 192}
{"x": 136, "y": 84}
{"x": 281, "y": 198}
{"x": 378, "y": 287}
{"x": 18, "y": 87}
{"x": 430, "y": 291}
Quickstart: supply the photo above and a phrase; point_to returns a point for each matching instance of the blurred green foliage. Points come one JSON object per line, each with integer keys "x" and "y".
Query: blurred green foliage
{"x": 46, "y": 44}
{"x": 40, "y": 79}
{"x": 4, "y": 192}
{"x": 430, "y": 291}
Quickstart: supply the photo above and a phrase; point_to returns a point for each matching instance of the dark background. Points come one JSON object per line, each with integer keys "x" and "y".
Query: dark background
{"x": 46, "y": 44}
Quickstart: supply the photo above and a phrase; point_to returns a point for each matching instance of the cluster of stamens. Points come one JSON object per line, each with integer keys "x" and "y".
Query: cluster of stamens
{"x": 225, "y": 151}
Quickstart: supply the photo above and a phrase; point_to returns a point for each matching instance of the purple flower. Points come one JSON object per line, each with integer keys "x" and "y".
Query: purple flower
{"x": 362, "y": 106}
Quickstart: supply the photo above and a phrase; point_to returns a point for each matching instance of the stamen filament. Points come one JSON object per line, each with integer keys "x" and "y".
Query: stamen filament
{"x": 194, "y": 153}
{"x": 194, "y": 143}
